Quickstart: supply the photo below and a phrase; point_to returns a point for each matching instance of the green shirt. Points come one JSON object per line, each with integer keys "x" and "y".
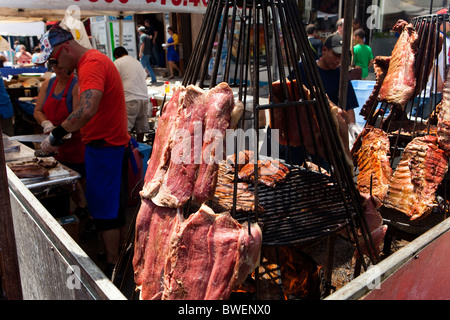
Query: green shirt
{"x": 362, "y": 54}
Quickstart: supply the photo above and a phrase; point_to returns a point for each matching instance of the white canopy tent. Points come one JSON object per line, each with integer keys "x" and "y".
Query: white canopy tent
{"x": 50, "y": 9}
{"x": 30, "y": 28}
{"x": 13, "y": 15}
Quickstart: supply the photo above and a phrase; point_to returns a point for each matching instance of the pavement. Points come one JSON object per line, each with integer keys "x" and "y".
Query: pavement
{"x": 161, "y": 77}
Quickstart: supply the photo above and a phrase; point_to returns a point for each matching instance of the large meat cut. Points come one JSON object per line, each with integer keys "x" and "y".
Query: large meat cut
{"x": 185, "y": 156}
{"x": 297, "y": 126}
{"x": 428, "y": 51}
{"x": 400, "y": 82}
{"x": 184, "y": 165}
{"x": 159, "y": 160}
{"x": 414, "y": 183}
{"x": 374, "y": 224}
{"x": 210, "y": 255}
{"x": 380, "y": 67}
{"x": 219, "y": 101}
{"x": 154, "y": 229}
{"x": 187, "y": 146}
{"x": 372, "y": 159}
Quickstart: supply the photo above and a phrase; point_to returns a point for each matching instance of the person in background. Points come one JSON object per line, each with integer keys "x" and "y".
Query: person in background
{"x": 362, "y": 53}
{"x": 145, "y": 50}
{"x": 151, "y": 31}
{"x": 16, "y": 46}
{"x": 2, "y": 60}
{"x": 356, "y": 24}
{"x": 340, "y": 27}
{"x": 23, "y": 56}
{"x": 328, "y": 66}
{"x": 36, "y": 52}
{"x": 6, "y": 110}
{"x": 315, "y": 42}
{"x": 172, "y": 52}
{"x": 57, "y": 96}
{"x": 330, "y": 72}
{"x": 101, "y": 116}
{"x": 136, "y": 96}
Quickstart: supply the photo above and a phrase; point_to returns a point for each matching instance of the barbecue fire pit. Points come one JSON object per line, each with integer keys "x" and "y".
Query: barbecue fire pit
{"x": 309, "y": 194}
{"x": 262, "y": 43}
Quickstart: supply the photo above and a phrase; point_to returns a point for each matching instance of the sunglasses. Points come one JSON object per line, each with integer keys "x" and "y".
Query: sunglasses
{"x": 53, "y": 61}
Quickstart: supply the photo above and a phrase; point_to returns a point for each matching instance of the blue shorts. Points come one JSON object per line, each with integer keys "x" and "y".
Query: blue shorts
{"x": 104, "y": 181}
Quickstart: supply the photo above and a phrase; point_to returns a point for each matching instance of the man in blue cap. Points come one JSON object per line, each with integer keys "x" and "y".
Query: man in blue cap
{"x": 101, "y": 117}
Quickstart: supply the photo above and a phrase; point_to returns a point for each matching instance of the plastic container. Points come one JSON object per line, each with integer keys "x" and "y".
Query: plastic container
{"x": 146, "y": 150}
{"x": 167, "y": 87}
{"x": 363, "y": 89}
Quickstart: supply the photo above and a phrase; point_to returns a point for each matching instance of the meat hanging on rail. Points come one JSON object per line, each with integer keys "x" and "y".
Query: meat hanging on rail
{"x": 400, "y": 82}
{"x": 209, "y": 256}
{"x": 184, "y": 162}
{"x": 372, "y": 159}
{"x": 161, "y": 229}
{"x": 414, "y": 183}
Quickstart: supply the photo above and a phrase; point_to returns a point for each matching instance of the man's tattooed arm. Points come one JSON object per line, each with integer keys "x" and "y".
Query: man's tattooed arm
{"x": 86, "y": 109}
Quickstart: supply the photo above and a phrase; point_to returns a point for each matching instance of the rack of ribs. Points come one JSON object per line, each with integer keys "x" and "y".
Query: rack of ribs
{"x": 414, "y": 183}
{"x": 400, "y": 82}
{"x": 372, "y": 159}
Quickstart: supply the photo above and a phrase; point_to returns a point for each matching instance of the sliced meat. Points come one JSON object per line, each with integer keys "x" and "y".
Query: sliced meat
{"x": 400, "y": 83}
{"x": 209, "y": 256}
{"x": 219, "y": 103}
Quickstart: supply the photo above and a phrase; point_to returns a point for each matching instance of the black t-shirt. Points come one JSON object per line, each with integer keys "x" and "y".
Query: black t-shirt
{"x": 148, "y": 43}
{"x": 330, "y": 80}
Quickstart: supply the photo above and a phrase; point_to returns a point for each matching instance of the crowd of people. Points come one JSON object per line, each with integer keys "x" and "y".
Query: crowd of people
{"x": 362, "y": 56}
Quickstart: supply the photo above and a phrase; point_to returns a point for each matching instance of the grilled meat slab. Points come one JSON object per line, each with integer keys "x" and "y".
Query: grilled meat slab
{"x": 372, "y": 159}
{"x": 270, "y": 172}
{"x": 400, "y": 83}
{"x": 414, "y": 183}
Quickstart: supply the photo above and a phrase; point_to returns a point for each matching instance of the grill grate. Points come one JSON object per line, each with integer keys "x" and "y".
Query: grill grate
{"x": 251, "y": 44}
{"x": 296, "y": 212}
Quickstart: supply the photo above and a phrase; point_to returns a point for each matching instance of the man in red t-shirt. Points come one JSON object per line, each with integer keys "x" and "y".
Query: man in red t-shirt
{"x": 101, "y": 117}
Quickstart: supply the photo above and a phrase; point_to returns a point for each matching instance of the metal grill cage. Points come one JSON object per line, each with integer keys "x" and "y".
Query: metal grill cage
{"x": 251, "y": 45}
{"x": 419, "y": 116}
